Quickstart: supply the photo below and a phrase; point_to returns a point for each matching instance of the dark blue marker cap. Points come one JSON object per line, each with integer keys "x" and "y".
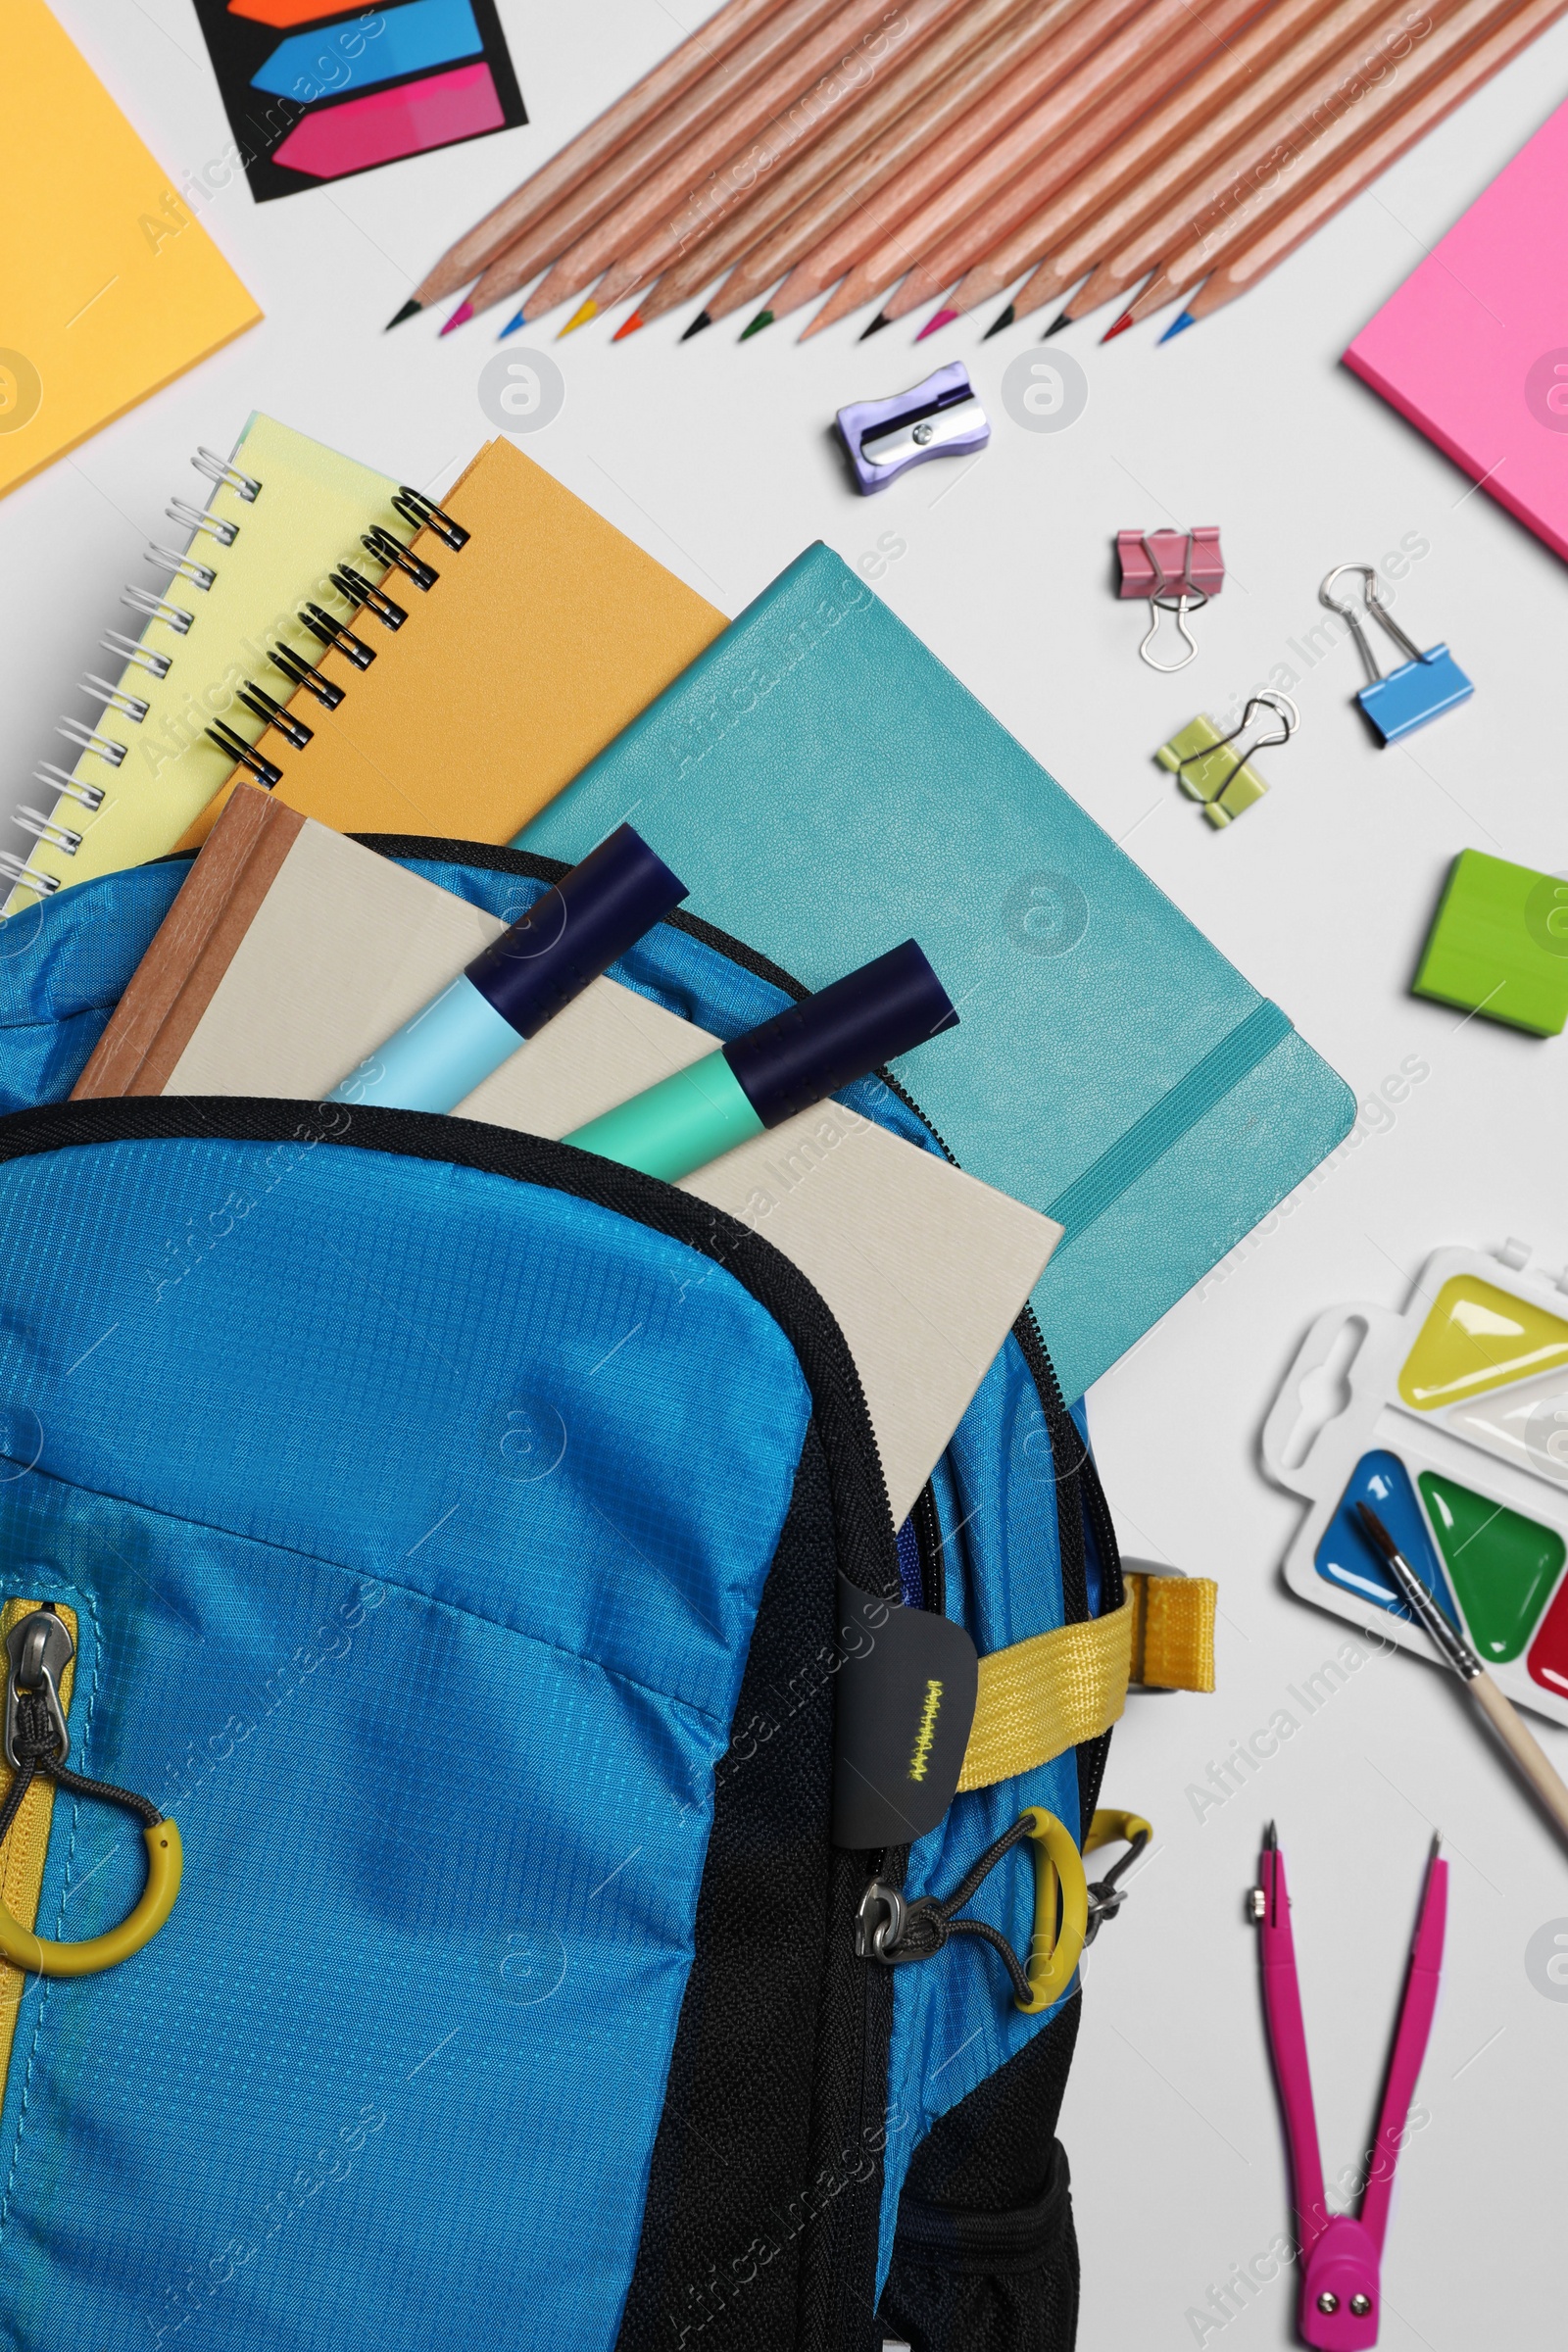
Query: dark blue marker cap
{"x": 576, "y": 931}
{"x": 826, "y": 1042}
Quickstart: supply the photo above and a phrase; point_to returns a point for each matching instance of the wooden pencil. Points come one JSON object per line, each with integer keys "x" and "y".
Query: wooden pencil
{"x": 1076, "y": 28}
{"x": 809, "y": 233}
{"x": 1360, "y": 73}
{"x": 1194, "y": 38}
{"x": 792, "y": 192}
{"x": 651, "y": 148}
{"x": 836, "y": 100}
{"x": 617, "y": 231}
{"x": 722, "y": 42}
{"x": 1294, "y": 222}
{"x": 1124, "y": 169}
{"x": 1287, "y": 169}
{"x": 1085, "y": 86}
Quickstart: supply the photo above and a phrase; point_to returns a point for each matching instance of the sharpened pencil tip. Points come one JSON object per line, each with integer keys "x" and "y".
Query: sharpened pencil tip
{"x": 1177, "y": 325}
{"x": 1003, "y": 318}
{"x": 1118, "y": 327}
{"x": 407, "y": 312}
{"x": 579, "y": 318}
{"x": 697, "y": 325}
{"x": 762, "y": 319}
{"x": 1061, "y": 320}
{"x": 1270, "y": 1839}
{"x": 881, "y": 320}
{"x": 938, "y": 319}
{"x": 511, "y": 327}
{"x": 628, "y": 326}
{"x": 459, "y": 316}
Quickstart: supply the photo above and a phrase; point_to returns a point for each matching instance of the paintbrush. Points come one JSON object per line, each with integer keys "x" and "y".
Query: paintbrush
{"x": 1453, "y": 1647}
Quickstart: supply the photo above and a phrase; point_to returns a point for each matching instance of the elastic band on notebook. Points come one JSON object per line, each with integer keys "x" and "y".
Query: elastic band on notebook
{"x": 1162, "y": 1126}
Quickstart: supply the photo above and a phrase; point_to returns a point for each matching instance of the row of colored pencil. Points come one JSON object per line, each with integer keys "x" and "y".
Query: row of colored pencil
{"x": 944, "y": 150}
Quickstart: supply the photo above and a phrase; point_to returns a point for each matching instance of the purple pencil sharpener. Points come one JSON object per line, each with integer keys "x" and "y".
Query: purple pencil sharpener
{"x": 938, "y": 418}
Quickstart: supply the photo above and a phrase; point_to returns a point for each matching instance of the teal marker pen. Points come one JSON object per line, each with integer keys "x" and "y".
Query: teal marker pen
{"x": 763, "y": 1077}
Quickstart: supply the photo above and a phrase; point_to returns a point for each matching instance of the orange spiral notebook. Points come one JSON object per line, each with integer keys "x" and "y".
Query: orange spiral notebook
{"x": 482, "y": 676}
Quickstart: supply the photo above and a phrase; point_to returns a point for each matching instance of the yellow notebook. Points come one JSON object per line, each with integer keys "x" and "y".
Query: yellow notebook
{"x": 508, "y": 660}
{"x": 283, "y": 513}
{"x": 111, "y": 287}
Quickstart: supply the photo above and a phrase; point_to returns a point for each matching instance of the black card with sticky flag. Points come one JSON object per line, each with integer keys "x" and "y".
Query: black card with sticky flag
{"x": 315, "y": 94}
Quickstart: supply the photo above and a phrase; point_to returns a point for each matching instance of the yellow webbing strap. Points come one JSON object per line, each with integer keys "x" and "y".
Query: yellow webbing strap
{"x": 1041, "y": 1697}
{"x": 1173, "y": 1631}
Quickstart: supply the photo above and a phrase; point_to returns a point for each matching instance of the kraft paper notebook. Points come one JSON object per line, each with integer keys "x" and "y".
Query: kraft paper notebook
{"x": 283, "y": 513}
{"x": 534, "y": 644}
{"x": 111, "y": 287}
{"x": 826, "y": 788}
{"x": 290, "y": 954}
{"x": 1474, "y": 346}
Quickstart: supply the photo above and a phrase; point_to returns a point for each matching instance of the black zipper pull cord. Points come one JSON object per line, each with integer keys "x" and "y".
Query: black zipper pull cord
{"x": 893, "y": 1930}
{"x": 36, "y": 1738}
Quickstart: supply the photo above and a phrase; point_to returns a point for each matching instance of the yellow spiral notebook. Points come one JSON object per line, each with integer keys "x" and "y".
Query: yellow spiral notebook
{"x": 111, "y": 287}
{"x": 281, "y": 514}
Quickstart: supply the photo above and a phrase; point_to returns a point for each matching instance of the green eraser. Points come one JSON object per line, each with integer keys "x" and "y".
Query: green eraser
{"x": 1498, "y": 944}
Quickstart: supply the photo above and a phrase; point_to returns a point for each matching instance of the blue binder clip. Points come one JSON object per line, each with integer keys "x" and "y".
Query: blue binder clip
{"x": 1425, "y": 684}
{"x": 938, "y": 418}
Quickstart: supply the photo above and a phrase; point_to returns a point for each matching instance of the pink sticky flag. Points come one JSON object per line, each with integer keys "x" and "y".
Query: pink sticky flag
{"x": 387, "y": 123}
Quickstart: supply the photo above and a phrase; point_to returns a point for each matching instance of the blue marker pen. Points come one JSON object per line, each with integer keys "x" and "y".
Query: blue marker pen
{"x": 765, "y": 1076}
{"x": 567, "y": 939}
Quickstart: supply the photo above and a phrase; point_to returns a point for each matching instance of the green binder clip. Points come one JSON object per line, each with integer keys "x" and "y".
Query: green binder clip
{"x": 1217, "y": 769}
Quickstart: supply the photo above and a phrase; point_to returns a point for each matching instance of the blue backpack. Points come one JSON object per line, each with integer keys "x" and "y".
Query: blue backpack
{"x": 450, "y": 1534}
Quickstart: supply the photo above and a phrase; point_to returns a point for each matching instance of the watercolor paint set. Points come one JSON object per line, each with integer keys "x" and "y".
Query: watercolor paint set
{"x": 1451, "y": 1420}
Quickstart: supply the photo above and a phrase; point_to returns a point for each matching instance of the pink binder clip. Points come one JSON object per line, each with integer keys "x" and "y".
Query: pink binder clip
{"x": 1175, "y": 571}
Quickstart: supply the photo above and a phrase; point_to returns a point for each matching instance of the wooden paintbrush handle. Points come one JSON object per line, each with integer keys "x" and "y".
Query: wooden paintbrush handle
{"x": 1523, "y": 1746}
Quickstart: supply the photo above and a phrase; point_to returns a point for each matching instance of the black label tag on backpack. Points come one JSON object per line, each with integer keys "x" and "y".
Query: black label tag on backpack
{"x": 904, "y": 1706}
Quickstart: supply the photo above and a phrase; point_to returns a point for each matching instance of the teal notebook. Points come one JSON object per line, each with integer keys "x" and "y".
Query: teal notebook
{"x": 827, "y": 788}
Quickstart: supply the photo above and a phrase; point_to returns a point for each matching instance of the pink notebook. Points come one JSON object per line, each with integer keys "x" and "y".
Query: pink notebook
{"x": 1474, "y": 346}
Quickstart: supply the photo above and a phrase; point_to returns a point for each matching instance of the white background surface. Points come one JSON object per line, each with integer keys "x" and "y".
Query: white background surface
{"x": 717, "y": 461}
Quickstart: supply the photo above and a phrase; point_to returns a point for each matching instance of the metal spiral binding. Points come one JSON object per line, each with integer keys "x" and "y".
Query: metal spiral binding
{"x": 157, "y": 666}
{"x": 219, "y": 470}
{"x": 392, "y": 551}
{"x": 358, "y": 590}
{"x": 59, "y": 837}
{"x": 197, "y": 518}
{"x": 416, "y": 508}
{"x": 22, "y": 875}
{"x": 157, "y": 608}
{"x": 273, "y": 715}
{"x": 304, "y": 673}
{"x": 129, "y": 706}
{"x": 200, "y": 575}
{"x": 91, "y": 795}
{"x": 238, "y": 748}
{"x": 104, "y": 744}
{"x": 332, "y": 632}
{"x": 66, "y": 839}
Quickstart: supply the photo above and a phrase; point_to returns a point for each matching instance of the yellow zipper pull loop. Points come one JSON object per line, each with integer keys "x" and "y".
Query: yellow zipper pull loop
{"x": 38, "y": 1648}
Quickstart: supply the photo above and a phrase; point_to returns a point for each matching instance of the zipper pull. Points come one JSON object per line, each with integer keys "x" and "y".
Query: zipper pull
{"x": 39, "y": 1649}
